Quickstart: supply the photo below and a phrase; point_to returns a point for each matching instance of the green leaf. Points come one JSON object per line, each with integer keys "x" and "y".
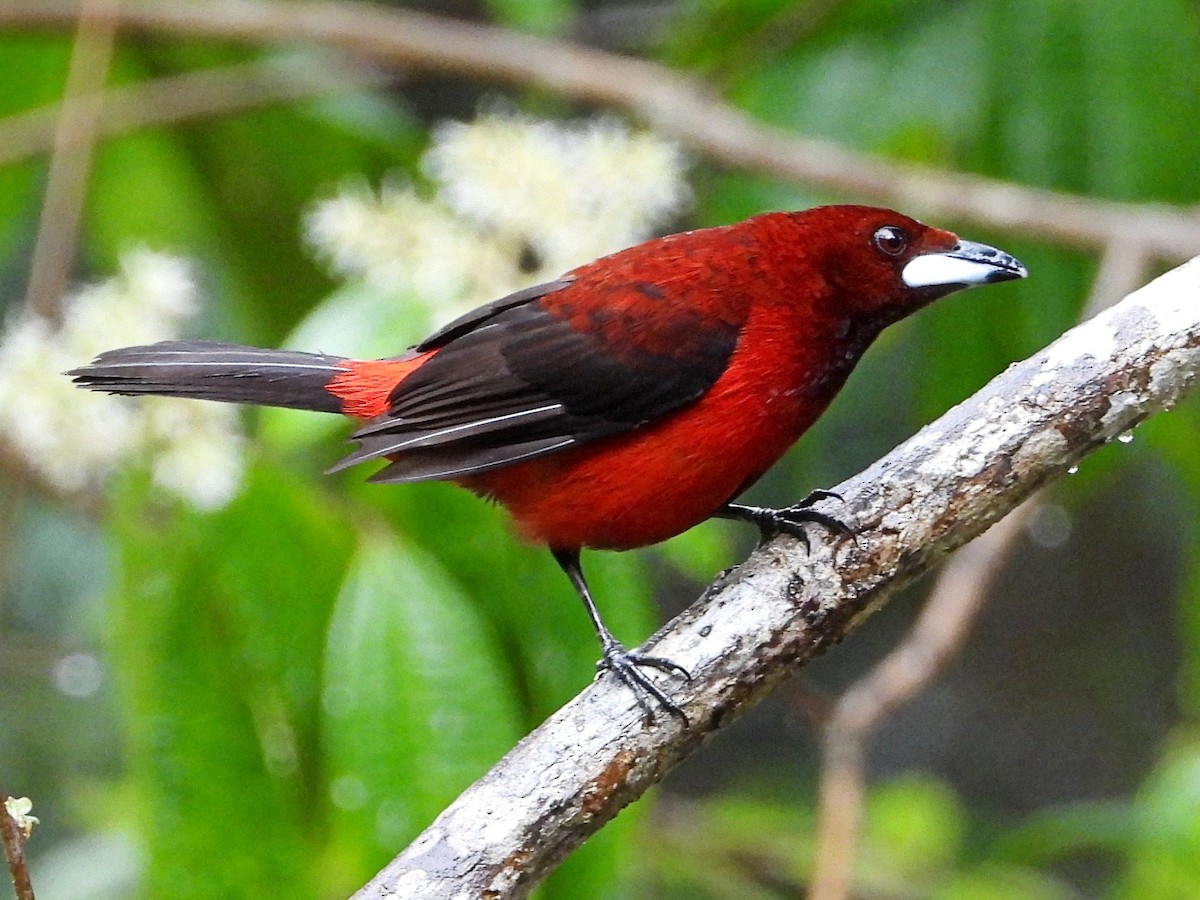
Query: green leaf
{"x": 538, "y": 16}
{"x": 1164, "y": 863}
{"x": 218, "y": 622}
{"x": 1061, "y": 832}
{"x": 914, "y": 827}
{"x": 993, "y": 882}
{"x": 417, "y": 700}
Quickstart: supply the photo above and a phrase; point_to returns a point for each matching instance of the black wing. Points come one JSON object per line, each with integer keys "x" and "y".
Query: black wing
{"x": 468, "y": 322}
{"x": 517, "y": 379}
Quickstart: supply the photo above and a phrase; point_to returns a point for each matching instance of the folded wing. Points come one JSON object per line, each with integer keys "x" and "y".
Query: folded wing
{"x": 535, "y": 373}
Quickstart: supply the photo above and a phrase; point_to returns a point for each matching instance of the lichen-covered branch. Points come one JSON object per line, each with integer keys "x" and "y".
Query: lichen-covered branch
{"x": 757, "y": 625}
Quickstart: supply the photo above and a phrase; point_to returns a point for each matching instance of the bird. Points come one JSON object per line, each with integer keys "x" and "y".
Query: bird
{"x": 624, "y": 402}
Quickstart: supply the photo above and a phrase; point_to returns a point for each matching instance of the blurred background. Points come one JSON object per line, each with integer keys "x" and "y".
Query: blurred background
{"x": 224, "y": 674}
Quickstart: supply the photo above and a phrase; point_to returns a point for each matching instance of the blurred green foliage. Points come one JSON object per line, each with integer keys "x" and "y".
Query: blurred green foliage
{"x": 303, "y": 679}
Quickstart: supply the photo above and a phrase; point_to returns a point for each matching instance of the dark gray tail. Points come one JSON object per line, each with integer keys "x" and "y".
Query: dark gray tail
{"x": 208, "y": 370}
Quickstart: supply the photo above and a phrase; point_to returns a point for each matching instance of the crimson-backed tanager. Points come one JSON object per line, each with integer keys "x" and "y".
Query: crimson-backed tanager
{"x": 629, "y": 400}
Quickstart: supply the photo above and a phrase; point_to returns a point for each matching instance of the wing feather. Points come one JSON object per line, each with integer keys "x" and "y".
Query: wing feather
{"x": 519, "y": 379}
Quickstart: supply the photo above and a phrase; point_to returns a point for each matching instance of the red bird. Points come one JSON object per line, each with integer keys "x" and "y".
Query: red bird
{"x": 629, "y": 400}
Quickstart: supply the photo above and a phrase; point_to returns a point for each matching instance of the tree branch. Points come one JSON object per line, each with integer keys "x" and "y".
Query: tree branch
{"x": 674, "y": 104}
{"x": 756, "y": 627}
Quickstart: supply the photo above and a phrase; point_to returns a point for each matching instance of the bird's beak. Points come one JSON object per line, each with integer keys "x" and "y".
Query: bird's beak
{"x": 967, "y": 264}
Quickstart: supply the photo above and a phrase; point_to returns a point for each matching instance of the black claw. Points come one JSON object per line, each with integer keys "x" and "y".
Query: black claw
{"x": 817, "y": 496}
{"x": 790, "y": 520}
{"x": 661, "y": 663}
{"x": 796, "y": 531}
{"x": 797, "y": 517}
{"x": 625, "y": 666}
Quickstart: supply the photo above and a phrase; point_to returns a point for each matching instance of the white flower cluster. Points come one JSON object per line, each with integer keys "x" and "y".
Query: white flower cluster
{"x": 397, "y": 241}
{"x": 516, "y": 201}
{"x": 74, "y": 438}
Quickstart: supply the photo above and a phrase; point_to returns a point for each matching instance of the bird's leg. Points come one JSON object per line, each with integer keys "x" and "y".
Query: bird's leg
{"x": 625, "y": 665}
{"x": 789, "y": 520}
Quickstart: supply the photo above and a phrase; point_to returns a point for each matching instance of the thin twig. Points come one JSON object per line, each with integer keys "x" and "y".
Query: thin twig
{"x": 71, "y": 161}
{"x": 14, "y": 851}
{"x": 179, "y": 98}
{"x": 940, "y": 630}
{"x": 672, "y": 103}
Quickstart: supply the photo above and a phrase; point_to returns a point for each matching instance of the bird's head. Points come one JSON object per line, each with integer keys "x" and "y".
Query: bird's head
{"x": 882, "y": 265}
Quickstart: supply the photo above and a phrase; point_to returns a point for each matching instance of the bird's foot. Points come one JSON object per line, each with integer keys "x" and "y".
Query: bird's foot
{"x": 791, "y": 520}
{"x": 627, "y": 667}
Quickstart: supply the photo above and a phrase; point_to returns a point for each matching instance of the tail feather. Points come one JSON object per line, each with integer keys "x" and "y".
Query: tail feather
{"x": 211, "y": 370}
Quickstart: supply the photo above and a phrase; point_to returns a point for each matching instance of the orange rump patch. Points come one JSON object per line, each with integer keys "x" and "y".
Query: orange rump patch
{"x": 364, "y": 385}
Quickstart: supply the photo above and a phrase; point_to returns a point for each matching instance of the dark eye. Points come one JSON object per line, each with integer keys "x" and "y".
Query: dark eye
{"x": 891, "y": 240}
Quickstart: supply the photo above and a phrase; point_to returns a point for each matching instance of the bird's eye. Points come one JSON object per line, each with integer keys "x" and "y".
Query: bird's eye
{"x": 891, "y": 240}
